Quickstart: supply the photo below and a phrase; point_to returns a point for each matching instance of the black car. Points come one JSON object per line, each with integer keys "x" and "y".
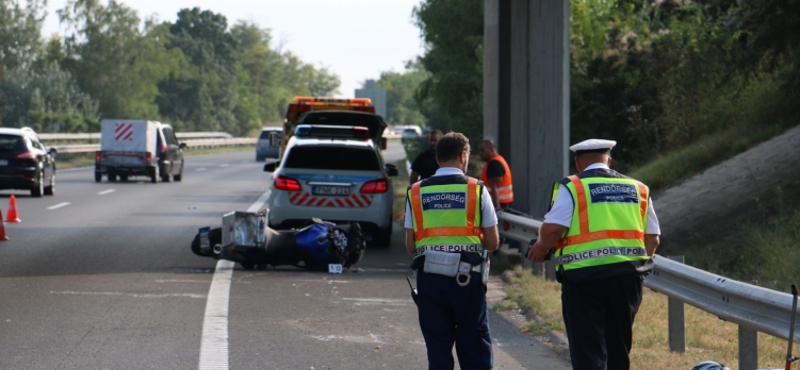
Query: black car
{"x": 25, "y": 162}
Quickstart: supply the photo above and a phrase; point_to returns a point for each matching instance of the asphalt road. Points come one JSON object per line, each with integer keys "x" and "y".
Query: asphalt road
{"x": 100, "y": 276}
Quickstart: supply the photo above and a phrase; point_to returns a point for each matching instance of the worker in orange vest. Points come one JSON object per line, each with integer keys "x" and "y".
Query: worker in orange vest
{"x": 496, "y": 175}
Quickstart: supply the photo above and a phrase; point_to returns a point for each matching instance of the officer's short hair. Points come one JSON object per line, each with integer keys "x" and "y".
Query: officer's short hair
{"x": 488, "y": 143}
{"x": 451, "y": 145}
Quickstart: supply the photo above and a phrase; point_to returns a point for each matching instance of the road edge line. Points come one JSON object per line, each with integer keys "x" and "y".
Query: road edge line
{"x": 214, "y": 354}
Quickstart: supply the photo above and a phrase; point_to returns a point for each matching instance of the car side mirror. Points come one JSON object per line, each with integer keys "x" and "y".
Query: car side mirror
{"x": 53, "y": 152}
{"x": 274, "y": 140}
{"x": 182, "y": 145}
{"x": 384, "y": 143}
{"x": 391, "y": 170}
{"x": 269, "y": 167}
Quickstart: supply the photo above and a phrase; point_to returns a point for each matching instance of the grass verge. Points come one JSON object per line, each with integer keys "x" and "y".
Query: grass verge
{"x": 71, "y": 160}
{"x": 762, "y": 248}
{"x": 707, "y": 337}
{"x": 704, "y": 153}
{"x": 399, "y": 186}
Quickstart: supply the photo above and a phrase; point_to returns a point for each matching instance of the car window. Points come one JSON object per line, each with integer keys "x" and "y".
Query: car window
{"x": 34, "y": 143}
{"x": 333, "y": 158}
{"x": 265, "y": 133}
{"x": 39, "y": 144}
{"x": 170, "y": 136}
{"x": 12, "y": 144}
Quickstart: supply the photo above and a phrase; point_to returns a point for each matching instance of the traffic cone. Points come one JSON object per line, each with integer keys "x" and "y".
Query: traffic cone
{"x": 12, "y": 210}
{"x": 3, "y": 236}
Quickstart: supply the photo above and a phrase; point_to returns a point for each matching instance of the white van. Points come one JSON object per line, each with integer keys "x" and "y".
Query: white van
{"x": 138, "y": 148}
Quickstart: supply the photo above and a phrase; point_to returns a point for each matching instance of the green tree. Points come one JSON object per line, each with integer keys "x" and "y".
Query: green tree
{"x": 204, "y": 95}
{"x": 401, "y": 107}
{"x": 20, "y": 32}
{"x": 322, "y": 82}
{"x": 49, "y": 90}
{"x": 452, "y": 97}
{"x": 115, "y": 58}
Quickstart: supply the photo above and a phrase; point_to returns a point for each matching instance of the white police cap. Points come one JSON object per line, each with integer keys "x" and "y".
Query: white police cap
{"x": 593, "y": 145}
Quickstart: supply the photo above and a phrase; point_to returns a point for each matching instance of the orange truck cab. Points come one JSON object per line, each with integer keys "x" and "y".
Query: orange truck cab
{"x": 304, "y": 104}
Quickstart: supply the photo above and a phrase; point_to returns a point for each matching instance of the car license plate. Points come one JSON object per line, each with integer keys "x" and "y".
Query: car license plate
{"x": 330, "y": 190}
{"x": 3, "y": 162}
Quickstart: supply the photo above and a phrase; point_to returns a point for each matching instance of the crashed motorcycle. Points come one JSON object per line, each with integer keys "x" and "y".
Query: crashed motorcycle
{"x": 245, "y": 239}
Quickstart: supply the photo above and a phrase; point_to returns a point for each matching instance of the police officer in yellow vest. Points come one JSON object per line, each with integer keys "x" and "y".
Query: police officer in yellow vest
{"x": 604, "y": 231}
{"x": 450, "y": 223}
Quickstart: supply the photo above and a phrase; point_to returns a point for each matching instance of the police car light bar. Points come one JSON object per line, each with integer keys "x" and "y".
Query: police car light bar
{"x": 326, "y": 131}
{"x": 352, "y": 102}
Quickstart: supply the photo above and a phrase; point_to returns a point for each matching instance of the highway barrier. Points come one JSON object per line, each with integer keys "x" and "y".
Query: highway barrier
{"x": 753, "y": 308}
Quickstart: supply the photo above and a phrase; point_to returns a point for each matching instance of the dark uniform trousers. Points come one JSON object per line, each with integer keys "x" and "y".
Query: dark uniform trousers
{"x": 599, "y": 317}
{"x": 451, "y": 313}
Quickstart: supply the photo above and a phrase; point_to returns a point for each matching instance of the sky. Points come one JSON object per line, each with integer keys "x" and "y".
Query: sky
{"x": 356, "y": 39}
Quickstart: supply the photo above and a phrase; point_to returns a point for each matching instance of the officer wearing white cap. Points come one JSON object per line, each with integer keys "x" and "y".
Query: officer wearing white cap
{"x": 603, "y": 231}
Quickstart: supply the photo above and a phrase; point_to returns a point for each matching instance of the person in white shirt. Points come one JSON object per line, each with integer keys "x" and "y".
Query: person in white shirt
{"x": 603, "y": 230}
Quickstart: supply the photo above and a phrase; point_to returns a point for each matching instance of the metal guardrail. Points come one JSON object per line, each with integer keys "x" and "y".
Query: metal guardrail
{"x": 192, "y": 144}
{"x": 96, "y": 136}
{"x": 751, "y": 307}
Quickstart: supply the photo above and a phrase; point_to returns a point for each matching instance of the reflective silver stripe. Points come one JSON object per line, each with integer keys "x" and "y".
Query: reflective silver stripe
{"x": 504, "y": 188}
{"x": 601, "y": 252}
{"x": 450, "y": 248}
{"x": 503, "y": 197}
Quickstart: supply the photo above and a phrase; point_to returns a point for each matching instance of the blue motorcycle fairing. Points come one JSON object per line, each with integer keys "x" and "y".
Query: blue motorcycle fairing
{"x": 308, "y": 242}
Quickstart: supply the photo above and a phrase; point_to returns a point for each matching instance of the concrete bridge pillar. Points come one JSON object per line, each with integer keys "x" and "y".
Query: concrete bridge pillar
{"x": 526, "y": 94}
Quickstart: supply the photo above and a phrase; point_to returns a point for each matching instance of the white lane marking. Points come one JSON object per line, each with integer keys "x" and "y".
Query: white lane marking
{"x": 200, "y": 169}
{"x": 214, "y": 343}
{"x": 75, "y": 169}
{"x": 224, "y": 165}
{"x": 326, "y": 281}
{"x": 135, "y": 295}
{"x": 104, "y": 192}
{"x": 372, "y": 338}
{"x": 180, "y": 281}
{"x": 59, "y": 205}
{"x": 378, "y": 301}
{"x": 163, "y": 281}
{"x": 260, "y": 201}
{"x": 383, "y": 270}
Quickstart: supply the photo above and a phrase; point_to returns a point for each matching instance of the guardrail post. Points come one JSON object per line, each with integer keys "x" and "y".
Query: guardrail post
{"x": 538, "y": 268}
{"x": 748, "y": 345}
{"x": 550, "y": 270}
{"x": 748, "y": 348}
{"x": 676, "y": 324}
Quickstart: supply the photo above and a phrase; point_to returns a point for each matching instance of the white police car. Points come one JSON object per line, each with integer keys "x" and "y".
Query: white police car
{"x": 334, "y": 173}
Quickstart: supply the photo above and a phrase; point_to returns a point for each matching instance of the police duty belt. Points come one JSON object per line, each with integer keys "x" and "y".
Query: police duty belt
{"x": 449, "y": 248}
{"x": 601, "y": 252}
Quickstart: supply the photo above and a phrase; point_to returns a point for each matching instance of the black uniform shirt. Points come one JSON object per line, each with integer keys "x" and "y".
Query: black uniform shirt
{"x": 495, "y": 169}
{"x": 425, "y": 164}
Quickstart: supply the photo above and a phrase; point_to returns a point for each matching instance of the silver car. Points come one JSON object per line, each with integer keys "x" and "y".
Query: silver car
{"x": 335, "y": 179}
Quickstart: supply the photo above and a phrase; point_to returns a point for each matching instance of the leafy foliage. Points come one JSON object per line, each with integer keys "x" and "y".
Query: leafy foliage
{"x": 401, "y": 106}
{"x": 452, "y": 96}
{"x": 655, "y": 76}
{"x": 20, "y": 32}
{"x": 196, "y": 73}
